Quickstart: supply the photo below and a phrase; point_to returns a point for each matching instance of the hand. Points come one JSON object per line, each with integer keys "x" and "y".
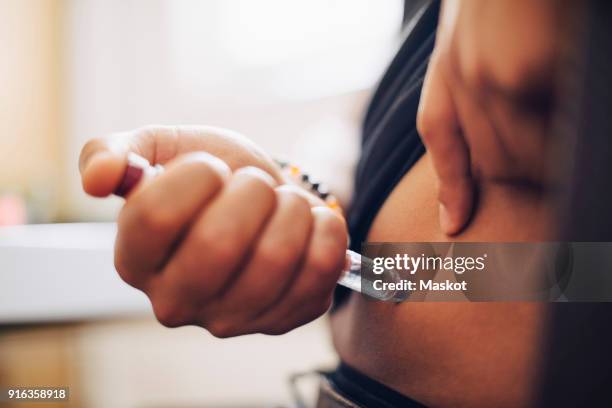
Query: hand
{"x": 103, "y": 159}
{"x": 487, "y": 97}
{"x": 232, "y": 252}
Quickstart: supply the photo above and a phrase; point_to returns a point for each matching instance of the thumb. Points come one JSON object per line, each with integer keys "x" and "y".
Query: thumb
{"x": 103, "y": 160}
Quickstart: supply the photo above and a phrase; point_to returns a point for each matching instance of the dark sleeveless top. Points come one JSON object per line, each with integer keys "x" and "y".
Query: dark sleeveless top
{"x": 390, "y": 142}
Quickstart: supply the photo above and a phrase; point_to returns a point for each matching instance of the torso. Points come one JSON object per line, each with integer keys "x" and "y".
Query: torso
{"x": 449, "y": 354}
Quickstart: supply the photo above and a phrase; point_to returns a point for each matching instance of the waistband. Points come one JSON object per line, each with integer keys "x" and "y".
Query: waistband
{"x": 346, "y": 387}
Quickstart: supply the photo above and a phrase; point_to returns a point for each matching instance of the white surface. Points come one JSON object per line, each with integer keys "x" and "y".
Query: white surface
{"x": 62, "y": 272}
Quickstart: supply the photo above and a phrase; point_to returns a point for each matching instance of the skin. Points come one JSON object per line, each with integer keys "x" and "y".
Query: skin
{"x": 451, "y": 354}
{"x": 242, "y": 250}
{"x": 484, "y": 117}
{"x": 204, "y": 258}
{"x": 228, "y": 245}
{"x": 488, "y": 95}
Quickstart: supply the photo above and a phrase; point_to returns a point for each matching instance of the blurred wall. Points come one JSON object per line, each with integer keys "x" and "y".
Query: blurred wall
{"x": 277, "y": 71}
{"x": 30, "y": 102}
{"x": 288, "y": 74}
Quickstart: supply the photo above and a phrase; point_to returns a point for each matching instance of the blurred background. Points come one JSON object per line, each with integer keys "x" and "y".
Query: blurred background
{"x": 294, "y": 76}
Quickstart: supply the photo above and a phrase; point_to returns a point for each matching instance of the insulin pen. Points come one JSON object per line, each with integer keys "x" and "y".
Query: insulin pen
{"x": 138, "y": 168}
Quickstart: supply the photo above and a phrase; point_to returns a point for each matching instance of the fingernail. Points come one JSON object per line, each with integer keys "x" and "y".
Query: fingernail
{"x": 445, "y": 220}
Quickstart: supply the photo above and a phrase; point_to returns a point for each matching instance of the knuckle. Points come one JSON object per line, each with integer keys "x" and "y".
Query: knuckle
{"x": 326, "y": 262}
{"x": 266, "y": 190}
{"x": 168, "y": 314}
{"x": 279, "y": 330}
{"x": 327, "y": 257}
{"x": 334, "y": 229}
{"x": 425, "y": 124}
{"x": 207, "y": 167}
{"x": 261, "y": 181}
{"x": 120, "y": 264}
{"x": 294, "y": 204}
{"x": 518, "y": 70}
{"x": 127, "y": 269}
{"x": 432, "y": 125}
{"x": 337, "y": 230}
{"x": 155, "y": 220}
{"x": 295, "y": 200}
{"x": 222, "y": 329}
{"x": 211, "y": 172}
{"x": 122, "y": 268}
{"x": 472, "y": 73}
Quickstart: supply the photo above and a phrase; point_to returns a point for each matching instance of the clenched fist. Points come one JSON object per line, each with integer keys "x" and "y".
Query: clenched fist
{"x": 232, "y": 248}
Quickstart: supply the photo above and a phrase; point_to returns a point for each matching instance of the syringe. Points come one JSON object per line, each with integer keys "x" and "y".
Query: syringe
{"x": 138, "y": 168}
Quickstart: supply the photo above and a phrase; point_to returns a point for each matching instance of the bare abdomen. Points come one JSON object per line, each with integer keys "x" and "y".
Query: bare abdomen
{"x": 449, "y": 354}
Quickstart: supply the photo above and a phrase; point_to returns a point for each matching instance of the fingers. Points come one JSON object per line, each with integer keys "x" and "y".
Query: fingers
{"x": 256, "y": 258}
{"x": 438, "y": 125}
{"x": 216, "y": 245}
{"x": 155, "y": 215}
{"x": 266, "y": 267}
{"x": 276, "y": 255}
{"x": 273, "y": 264}
{"x": 309, "y": 295}
{"x": 302, "y": 293}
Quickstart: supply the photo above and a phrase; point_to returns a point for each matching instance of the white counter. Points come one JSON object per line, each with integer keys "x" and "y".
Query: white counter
{"x": 62, "y": 272}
